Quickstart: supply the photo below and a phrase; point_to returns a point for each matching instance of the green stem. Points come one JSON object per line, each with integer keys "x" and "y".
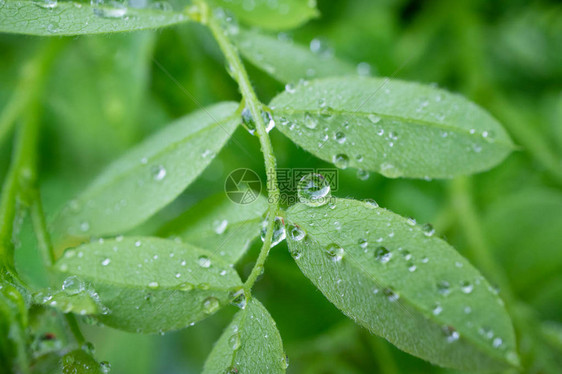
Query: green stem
{"x": 253, "y": 104}
{"x": 21, "y": 173}
{"x": 74, "y": 328}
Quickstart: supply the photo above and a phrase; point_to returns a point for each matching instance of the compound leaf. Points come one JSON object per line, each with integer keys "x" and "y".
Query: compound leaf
{"x": 396, "y": 128}
{"x": 250, "y": 344}
{"x": 286, "y": 61}
{"x": 49, "y": 18}
{"x": 220, "y": 225}
{"x": 149, "y": 176}
{"x": 272, "y": 15}
{"x": 400, "y": 282}
{"x": 150, "y": 284}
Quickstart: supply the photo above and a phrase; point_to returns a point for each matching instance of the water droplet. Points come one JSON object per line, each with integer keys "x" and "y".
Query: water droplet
{"x": 185, "y": 286}
{"x": 162, "y": 5}
{"x": 363, "y": 243}
{"x": 219, "y": 226}
{"x": 374, "y": 118}
{"x": 211, "y": 305}
{"x": 84, "y": 226}
{"x": 296, "y": 233}
{"x": 73, "y": 285}
{"x": 363, "y": 69}
{"x": 467, "y": 287}
{"x": 238, "y": 297}
{"x": 158, "y": 172}
{"x": 321, "y": 48}
{"x": 412, "y": 268}
{"x": 335, "y": 252}
{"x": 428, "y": 229}
{"x": 138, "y": 243}
{"x": 248, "y": 120}
{"x": 278, "y": 231}
{"x": 310, "y": 121}
{"x": 314, "y": 190}
{"x": 105, "y": 262}
{"x": 382, "y": 254}
{"x": 370, "y": 203}
{"x": 341, "y": 161}
{"x": 362, "y": 174}
{"x": 340, "y": 137}
{"x": 153, "y": 285}
{"x": 105, "y": 367}
{"x": 290, "y": 88}
{"x": 88, "y": 348}
{"x": 109, "y": 8}
{"x": 437, "y": 309}
{"x": 234, "y": 341}
{"x": 443, "y": 288}
{"x": 451, "y": 334}
{"x": 204, "y": 261}
{"x": 45, "y": 4}
{"x": 390, "y": 294}
{"x": 268, "y": 120}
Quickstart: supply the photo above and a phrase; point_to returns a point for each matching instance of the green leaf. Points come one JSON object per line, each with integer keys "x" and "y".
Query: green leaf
{"x": 81, "y": 362}
{"x": 400, "y": 282}
{"x": 149, "y": 176}
{"x": 150, "y": 284}
{"x": 250, "y": 344}
{"x": 75, "y": 18}
{"x": 220, "y": 226}
{"x": 286, "y": 61}
{"x": 396, "y": 128}
{"x": 272, "y": 15}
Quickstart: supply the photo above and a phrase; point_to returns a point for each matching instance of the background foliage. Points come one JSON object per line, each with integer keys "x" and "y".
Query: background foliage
{"x": 105, "y": 93}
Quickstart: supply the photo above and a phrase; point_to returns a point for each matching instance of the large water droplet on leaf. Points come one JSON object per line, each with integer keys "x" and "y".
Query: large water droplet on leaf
{"x": 314, "y": 190}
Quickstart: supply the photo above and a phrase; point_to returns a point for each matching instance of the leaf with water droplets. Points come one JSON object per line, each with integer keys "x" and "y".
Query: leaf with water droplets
{"x": 287, "y": 61}
{"x": 220, "y": 225}
{"x": 52, "y": 17}
{"x": 271, "y": 15}
{"x": 402, "y": 283}
{"x": 79, "y": 361}
{"x": 149, "y": 176}
{"x": 150, "y": 284}
{"x": 250, "y": 344}
{"x": 395, "y": 128}
{"x": 82, "y": 303}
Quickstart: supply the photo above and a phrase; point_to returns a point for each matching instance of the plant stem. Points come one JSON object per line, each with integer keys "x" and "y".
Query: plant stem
{"x": 254, "y": 105}
{"x": 461, "y": 196}
{"x": 21, "y": 175}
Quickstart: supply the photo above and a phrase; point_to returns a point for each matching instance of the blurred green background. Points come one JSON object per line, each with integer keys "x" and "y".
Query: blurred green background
{"x": 105, "y": 93}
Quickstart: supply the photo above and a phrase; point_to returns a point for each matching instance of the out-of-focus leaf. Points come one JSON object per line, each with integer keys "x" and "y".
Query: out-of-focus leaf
{"x": 286, "y": 61}
{"x": 524, "y": 230}
{"x": 101, "y": 84}
{"x": 79, "y": 361}
{"x": 220, "y": 226}
{"x": 48, "y": 18}
{"x": 402, "y": 283}
{"x": 13, "y": 324}
{"x": 396, "y": 128}
{"x": 149, "y": 176}
{"x": 272, "y": 15}
{"x": 150, "y": 284}
{"x": 250, "y": 344}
